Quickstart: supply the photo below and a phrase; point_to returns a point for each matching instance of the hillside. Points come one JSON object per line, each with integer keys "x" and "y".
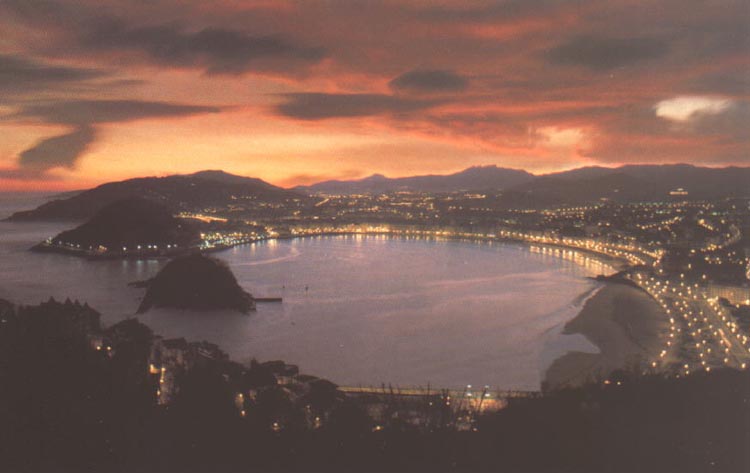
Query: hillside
{"x": 249, "y": 197}
{"x": 196, "y": 282}
{"x": 178, "y": 192}
{"x": 624, "y": 183}
{"x": 550, "y": 190}
{"x": 131, "y": 223}
{"x": 655, "y": 181}
{"x": 105, "y": 400}
{"x": 473, "y": 178}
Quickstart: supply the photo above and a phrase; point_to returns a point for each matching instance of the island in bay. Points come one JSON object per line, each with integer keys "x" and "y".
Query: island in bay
{"x": 196, "y": 282}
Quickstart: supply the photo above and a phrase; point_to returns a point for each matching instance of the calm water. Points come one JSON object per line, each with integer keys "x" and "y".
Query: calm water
{"x": 356, "y": 310}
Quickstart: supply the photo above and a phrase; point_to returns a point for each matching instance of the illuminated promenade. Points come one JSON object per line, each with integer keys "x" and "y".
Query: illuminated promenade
{"x": 630, "y": 252}
{"x": 702, "y": 334}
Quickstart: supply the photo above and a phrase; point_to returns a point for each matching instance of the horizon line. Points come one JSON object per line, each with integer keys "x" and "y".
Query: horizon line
{"x": 359, "y": 179}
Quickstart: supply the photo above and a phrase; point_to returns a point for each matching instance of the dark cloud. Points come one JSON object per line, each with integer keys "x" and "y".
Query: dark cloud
{"x": 64, "y": 150}
{"x": 39, "y": 10}
{"x": 717, "y": 34}
{"x": 603, "y": 53}
{"x": 727, "y": 126}
{"x": 19, "y": 74}
{"x": 58, "y": 151}
{"x": 492, "y": 11}
{"x": 319, "y": 106}
{"x": 429, "y": 81}
{"x": 636, "y": 134}
{"x": 85, "y": 28}
{"x": 733, "y": 82}
{"x": 86, "y": 112}
{"x": 216, "y": 50}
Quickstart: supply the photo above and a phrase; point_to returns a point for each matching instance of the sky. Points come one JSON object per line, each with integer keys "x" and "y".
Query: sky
{"x": 296, "y": 92}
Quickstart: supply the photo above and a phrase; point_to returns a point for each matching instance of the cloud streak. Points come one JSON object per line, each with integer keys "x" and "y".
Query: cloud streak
{"x": 603, "y": 53}
{"x": 22, "y": 75}
{"x": 320, "y": 106}
{"x": 65, "y": 150}
{"x": 429, "y": 81}
{"x": 214, "y": 50}
{"x": 58, "y": 151}
{"x": 86, "y": 112}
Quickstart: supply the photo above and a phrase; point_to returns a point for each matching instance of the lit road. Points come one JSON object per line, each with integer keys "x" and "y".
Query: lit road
{"x": 702, "y": 334}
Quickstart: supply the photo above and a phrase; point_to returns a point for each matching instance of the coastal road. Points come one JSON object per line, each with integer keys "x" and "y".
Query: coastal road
{"x": 703, "y": 334}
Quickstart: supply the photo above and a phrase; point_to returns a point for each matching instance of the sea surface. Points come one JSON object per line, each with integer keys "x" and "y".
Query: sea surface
{"x": 358, "y": 310}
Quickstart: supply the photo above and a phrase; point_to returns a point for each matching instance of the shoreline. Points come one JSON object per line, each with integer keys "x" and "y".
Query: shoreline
{"x": 476, "y": 239}
{"x": 616, "y": 263}
{"x": 623, "y": 322}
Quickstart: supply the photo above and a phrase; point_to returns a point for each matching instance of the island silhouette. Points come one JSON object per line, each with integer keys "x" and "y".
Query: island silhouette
{"x": 196, "y": 282}
{"x": 127, "y": 227}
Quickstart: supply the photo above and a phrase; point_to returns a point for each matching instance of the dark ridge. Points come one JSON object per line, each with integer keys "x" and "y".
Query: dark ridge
{"x": 80, "y": 397}
{"x": 473, "y": 178}
{"x": 632, "y": 182}
{"x": 617, "y": 186}
{"x": 130, "y": 223}
{"x": 655, "y": 181}
{"x": 179, "y": 192}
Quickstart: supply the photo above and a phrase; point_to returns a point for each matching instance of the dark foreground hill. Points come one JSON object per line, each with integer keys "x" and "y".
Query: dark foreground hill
{"x": 76, "y": 398}
{"x": 180, "y": 192}
{"x": 131, "y": 223}
{"x": 196, "y": 282}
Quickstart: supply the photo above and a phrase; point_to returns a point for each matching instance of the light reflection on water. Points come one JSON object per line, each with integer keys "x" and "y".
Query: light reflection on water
{"x": 357, "y": 309}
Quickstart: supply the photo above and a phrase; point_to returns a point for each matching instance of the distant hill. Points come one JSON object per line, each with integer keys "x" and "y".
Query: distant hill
{"x": 130, "y": 223}
{"x": 642, "y": 182}
{"x": 551, "y": 190}
{"x": 196, "y": 282}
{"x": 178, "y": 192}
{"x": 586, "y": 172}
{"x": 473, "y": 178}
{"x": 700, "y": 181}
{"x": 624, "y": 183}
{"x": 519, "y": 188}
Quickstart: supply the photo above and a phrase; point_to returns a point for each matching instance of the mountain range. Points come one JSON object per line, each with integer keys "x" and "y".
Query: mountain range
{"x": 473, "y": 178}
{"x": 631, "y": 180}
{"x": 517, "y": 188}
{"x": 634, "y": 183}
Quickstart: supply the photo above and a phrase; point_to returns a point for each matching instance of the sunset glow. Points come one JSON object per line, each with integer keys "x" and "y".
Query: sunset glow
{"x": 298, "y": 92}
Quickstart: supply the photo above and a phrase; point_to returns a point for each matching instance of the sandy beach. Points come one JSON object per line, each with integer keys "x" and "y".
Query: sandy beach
{"x": 623, "y": 322}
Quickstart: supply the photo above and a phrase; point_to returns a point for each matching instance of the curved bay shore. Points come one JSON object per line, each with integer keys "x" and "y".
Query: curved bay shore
{"x": 625, "y": 324}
